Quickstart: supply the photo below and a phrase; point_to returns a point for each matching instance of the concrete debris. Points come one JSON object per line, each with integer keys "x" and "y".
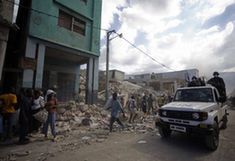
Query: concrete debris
{"x": 142, "y": 142}
{"x": 100, "y": 140}
{"x": 86, "y": 122}
{"x": 90, "y": 123}
{"x": 96, "y": 117}
{"x": 86, "y": 138}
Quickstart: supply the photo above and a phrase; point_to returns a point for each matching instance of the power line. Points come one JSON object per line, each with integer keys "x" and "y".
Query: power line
{"x": 133, "y": 45}
{"x": 47, "y": 14}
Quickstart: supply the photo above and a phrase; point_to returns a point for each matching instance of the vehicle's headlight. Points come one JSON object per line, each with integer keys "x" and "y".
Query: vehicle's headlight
{"x": 195, "y": 116}
{"x": 164, "y": 113}
{"x": 204, "y": 115}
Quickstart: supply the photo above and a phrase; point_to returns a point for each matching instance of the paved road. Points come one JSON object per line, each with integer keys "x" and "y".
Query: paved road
{"x": 125, "y": 147}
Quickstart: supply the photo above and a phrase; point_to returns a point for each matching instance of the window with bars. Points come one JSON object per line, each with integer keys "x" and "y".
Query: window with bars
{"x": 71, "y": 23}
{"x": 64, "y": 20}
{"x": 79, "y": 26}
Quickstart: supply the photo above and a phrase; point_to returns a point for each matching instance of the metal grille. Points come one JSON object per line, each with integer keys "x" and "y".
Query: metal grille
{"x": 180, "y": 115}
{"x": 184, "y": 115}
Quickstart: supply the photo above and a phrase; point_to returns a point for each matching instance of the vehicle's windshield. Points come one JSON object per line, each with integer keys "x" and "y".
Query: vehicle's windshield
{"x": 194, "y": 95}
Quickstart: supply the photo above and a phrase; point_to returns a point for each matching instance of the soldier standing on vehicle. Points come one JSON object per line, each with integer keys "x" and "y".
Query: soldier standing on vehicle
{"x": 195, "y": 82}
{"x": 218, "y": 83}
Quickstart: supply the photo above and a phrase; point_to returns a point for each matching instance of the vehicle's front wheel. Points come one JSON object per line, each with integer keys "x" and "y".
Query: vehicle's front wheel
{"x": 212, "y": 140}
{"x": 164, "y": 132}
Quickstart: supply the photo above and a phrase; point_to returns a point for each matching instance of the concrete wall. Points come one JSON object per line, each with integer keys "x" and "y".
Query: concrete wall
{"x": 6, "y": 9}
{"x": 143, "y": 77}
{"x": 116, "y": 75}
{"x": 3, "y": 43}
{"x": 184, "y": 74}
{"x": 45, "y": 27}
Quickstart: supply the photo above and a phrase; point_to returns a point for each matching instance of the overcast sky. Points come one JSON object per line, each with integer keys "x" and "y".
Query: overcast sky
{"x": 181, "y": 34}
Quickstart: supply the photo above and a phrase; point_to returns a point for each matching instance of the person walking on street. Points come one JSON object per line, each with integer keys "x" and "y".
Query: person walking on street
{"x": 150, "y": 103}
{"x": 51, "y": 118}
{"x": 144, "y": 104}
{"x": 131, "y": 104}
{"x": 115, "y": 107}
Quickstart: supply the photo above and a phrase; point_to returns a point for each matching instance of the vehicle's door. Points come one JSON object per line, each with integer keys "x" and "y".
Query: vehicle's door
{"x": 221, "y": 110}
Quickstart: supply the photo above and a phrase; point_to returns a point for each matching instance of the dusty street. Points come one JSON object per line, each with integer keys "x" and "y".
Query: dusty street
{"x": 124, "y": 146}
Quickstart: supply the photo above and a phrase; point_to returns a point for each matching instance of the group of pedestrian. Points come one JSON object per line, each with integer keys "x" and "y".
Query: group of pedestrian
{"x": 144, "y": 104}
{"x": 28, "y": 102}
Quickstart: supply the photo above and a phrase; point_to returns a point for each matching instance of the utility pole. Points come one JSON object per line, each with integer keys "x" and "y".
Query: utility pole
{"x": 107, "y": 65}
{"x": 107, "y": 61}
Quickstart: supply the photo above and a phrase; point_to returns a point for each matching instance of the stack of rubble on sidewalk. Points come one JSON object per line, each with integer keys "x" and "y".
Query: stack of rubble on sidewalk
{"x": 73, "y": 115}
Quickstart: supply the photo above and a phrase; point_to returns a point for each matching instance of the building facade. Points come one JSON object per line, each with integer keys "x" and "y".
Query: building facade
{"x": 57, "y": 37}
{"x": 168, "y": 81}
{"x": 141, "y": 79}
{"x": 183, "y": 75}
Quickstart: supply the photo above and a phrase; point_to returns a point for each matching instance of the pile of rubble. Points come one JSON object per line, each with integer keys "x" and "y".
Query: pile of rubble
{"x": 73, "y": 115}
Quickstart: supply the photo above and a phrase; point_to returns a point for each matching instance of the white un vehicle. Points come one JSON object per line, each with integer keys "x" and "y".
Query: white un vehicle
{"x": 197, "y": 110}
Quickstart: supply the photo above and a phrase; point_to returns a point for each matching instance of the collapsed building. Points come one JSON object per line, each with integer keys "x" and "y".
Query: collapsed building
{"x": 165, "y": 82}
